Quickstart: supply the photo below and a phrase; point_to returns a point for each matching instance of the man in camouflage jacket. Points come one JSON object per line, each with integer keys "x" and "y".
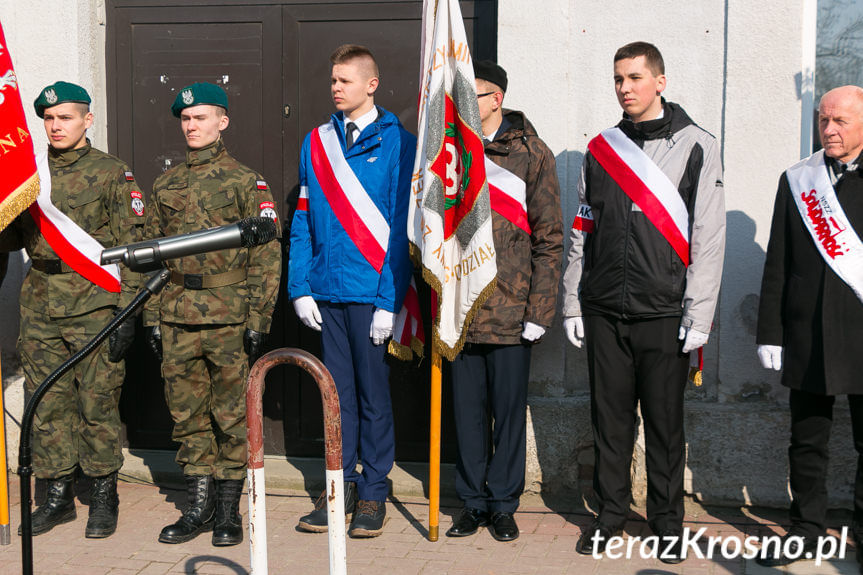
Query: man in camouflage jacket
{"x": 212, "y": 317}
{"x": 77, "y": 424}
{"x": 490, "y": 375}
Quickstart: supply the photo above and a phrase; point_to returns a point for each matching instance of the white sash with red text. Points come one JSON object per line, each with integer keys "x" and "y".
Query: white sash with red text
{"x": 508, "y": 195}
{"x": 73, "y": 245}
{"x": 646, "y": 184}
{"x": 823, "y": 216}
{"x": 364, "y": 223}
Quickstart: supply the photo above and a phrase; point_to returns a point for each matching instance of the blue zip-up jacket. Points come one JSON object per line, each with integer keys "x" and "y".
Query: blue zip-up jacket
{"x": 324, "y": 262}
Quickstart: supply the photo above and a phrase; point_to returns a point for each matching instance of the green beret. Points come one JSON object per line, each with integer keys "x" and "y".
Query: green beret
{"x": 60, "y": 93}
{"x": 197, "y": 94}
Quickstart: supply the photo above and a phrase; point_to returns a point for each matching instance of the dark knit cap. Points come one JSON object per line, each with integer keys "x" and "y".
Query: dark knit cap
{"x": 490, "y": 72}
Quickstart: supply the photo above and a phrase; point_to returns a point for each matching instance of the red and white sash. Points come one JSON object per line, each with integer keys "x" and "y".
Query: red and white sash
{"x": 646, "y": 184}
{"x": 508, "y": 195}
{"x": 73, "y": 245}
{"x": 824, "y": 218}
{"x": 351, "y": 203}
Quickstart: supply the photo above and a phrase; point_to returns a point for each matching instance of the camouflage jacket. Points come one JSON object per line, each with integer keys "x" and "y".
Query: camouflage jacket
{"x": 528, "y": 266}
{"x": 213, "y": 189}
{"x": 96, "y": 191}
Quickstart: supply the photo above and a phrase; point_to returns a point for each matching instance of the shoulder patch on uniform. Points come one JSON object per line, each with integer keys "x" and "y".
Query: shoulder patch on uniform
{"x": 262, "y": 185}
{"x": 268, "y": 210}
{"x": 130, "y": 177}
{"x": 137, "y": 202}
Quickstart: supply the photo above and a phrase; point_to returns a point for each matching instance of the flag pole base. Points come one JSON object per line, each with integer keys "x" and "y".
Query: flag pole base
{"x": 433, "y": 533}
{"x": 5, "y": 536}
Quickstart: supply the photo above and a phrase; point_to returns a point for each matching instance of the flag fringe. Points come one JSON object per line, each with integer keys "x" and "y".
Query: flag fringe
{"x": 404, "y": 352}
{"x": 19, "y": 200}
{"x": 443, "y": 349}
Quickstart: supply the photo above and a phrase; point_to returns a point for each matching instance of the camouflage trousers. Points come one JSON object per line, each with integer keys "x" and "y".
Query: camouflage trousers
{"x": 205, "y": 370}
{"x": 77, "y": 423}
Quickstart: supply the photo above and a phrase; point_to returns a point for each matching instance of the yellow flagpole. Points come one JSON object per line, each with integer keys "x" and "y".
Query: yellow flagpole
{"x": 5, "y": 536}
{"x": 434, "y": 446}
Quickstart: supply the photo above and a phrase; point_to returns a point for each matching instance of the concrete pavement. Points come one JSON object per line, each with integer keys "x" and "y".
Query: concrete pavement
{"x": 546, "y": 545}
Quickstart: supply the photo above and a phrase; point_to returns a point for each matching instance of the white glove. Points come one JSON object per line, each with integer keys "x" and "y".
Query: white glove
{"x": 531, "y": 331}
{"x": 308, "y": 312}
{"x": 692, "y": 338}
{"x": 382, "y": 325}
{"x": 574, "y": 328}
{"x": 770, "y": 356}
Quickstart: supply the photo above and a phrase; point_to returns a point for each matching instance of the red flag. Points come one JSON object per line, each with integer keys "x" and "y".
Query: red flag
{"x": 19, "y": 182}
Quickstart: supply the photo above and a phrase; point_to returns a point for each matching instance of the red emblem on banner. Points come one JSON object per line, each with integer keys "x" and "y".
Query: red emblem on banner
{"x": 459, "y": 165}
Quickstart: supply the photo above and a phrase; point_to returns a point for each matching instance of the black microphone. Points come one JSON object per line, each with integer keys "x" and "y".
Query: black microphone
{"x": 149, "y": 255}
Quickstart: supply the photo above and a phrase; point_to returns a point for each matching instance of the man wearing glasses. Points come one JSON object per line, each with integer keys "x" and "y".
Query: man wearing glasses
{"x": 490, "y": 375}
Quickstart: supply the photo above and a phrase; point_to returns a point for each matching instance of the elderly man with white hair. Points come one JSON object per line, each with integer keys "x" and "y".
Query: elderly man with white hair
{"x": 811, "y": 312}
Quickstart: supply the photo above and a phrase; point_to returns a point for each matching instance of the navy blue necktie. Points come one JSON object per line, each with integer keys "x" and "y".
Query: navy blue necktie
{"x": 349, "y": 133}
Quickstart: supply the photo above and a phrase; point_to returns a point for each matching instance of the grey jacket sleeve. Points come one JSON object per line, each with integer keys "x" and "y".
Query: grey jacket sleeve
{"x": 706, "y": 243}
{"x": 574, "y": 259}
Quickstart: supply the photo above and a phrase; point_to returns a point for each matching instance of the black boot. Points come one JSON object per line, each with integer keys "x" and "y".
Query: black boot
{"x": 198, "y": 517}
{"x": 316, "y": 521}
{"x": 59, "y": 506}
{"x": 229, "y": 525}
{"x": 104, "y": 504}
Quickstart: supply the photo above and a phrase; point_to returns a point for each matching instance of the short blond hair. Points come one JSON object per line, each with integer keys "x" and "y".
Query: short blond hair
{"x": 347, "y": 52}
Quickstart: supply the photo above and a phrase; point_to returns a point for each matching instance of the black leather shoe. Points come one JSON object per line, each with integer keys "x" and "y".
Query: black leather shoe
{"x": 777, "y": 559}
{"x": 316, "y": 521}
{"x": 595, "y": 538}
{"x": 671, "y": 546}
{"x": 368, "y": 519}
{"x": 503, "y": 527}
{"x": 59, "y": 506}
{"x": 228, "y": 525}
{"x": 199, "y": 516}
{"x": 104, "y": 506}
{"x": 469, "y": 520}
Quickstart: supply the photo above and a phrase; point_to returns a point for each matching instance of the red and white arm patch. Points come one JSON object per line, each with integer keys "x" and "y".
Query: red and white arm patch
{"x": 583, "y": 219}
{"x": 268, "y": 210}
{"x": 137, "y": 202}
{"x": 261, "y": 184}
{"x": 129, "y": 177}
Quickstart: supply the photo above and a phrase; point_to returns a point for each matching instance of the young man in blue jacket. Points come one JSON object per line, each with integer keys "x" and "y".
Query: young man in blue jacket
{"x": 349, "y": 270}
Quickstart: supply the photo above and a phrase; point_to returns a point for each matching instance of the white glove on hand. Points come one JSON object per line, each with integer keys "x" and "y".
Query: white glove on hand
{"x": 770, "y": 356}
{"x": 692, "y": 338}
{"x": 574, "y": 328}
{"x": 308, "y": 312}
{"x": 531, "y": 331}
{"x": 382, "y": 326}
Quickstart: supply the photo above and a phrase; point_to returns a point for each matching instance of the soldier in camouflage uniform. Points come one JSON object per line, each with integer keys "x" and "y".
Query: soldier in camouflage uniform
{"x": 490, "y": 375}
{"x": 77, "y": 424}
{"x": 212, "y": 317}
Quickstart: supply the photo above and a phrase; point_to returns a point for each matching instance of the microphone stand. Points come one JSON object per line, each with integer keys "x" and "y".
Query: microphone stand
{"x": 153, "y": 286}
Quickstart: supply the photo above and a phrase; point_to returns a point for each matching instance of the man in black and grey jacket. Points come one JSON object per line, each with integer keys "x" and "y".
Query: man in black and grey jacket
{"x": 640, "y": 288}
